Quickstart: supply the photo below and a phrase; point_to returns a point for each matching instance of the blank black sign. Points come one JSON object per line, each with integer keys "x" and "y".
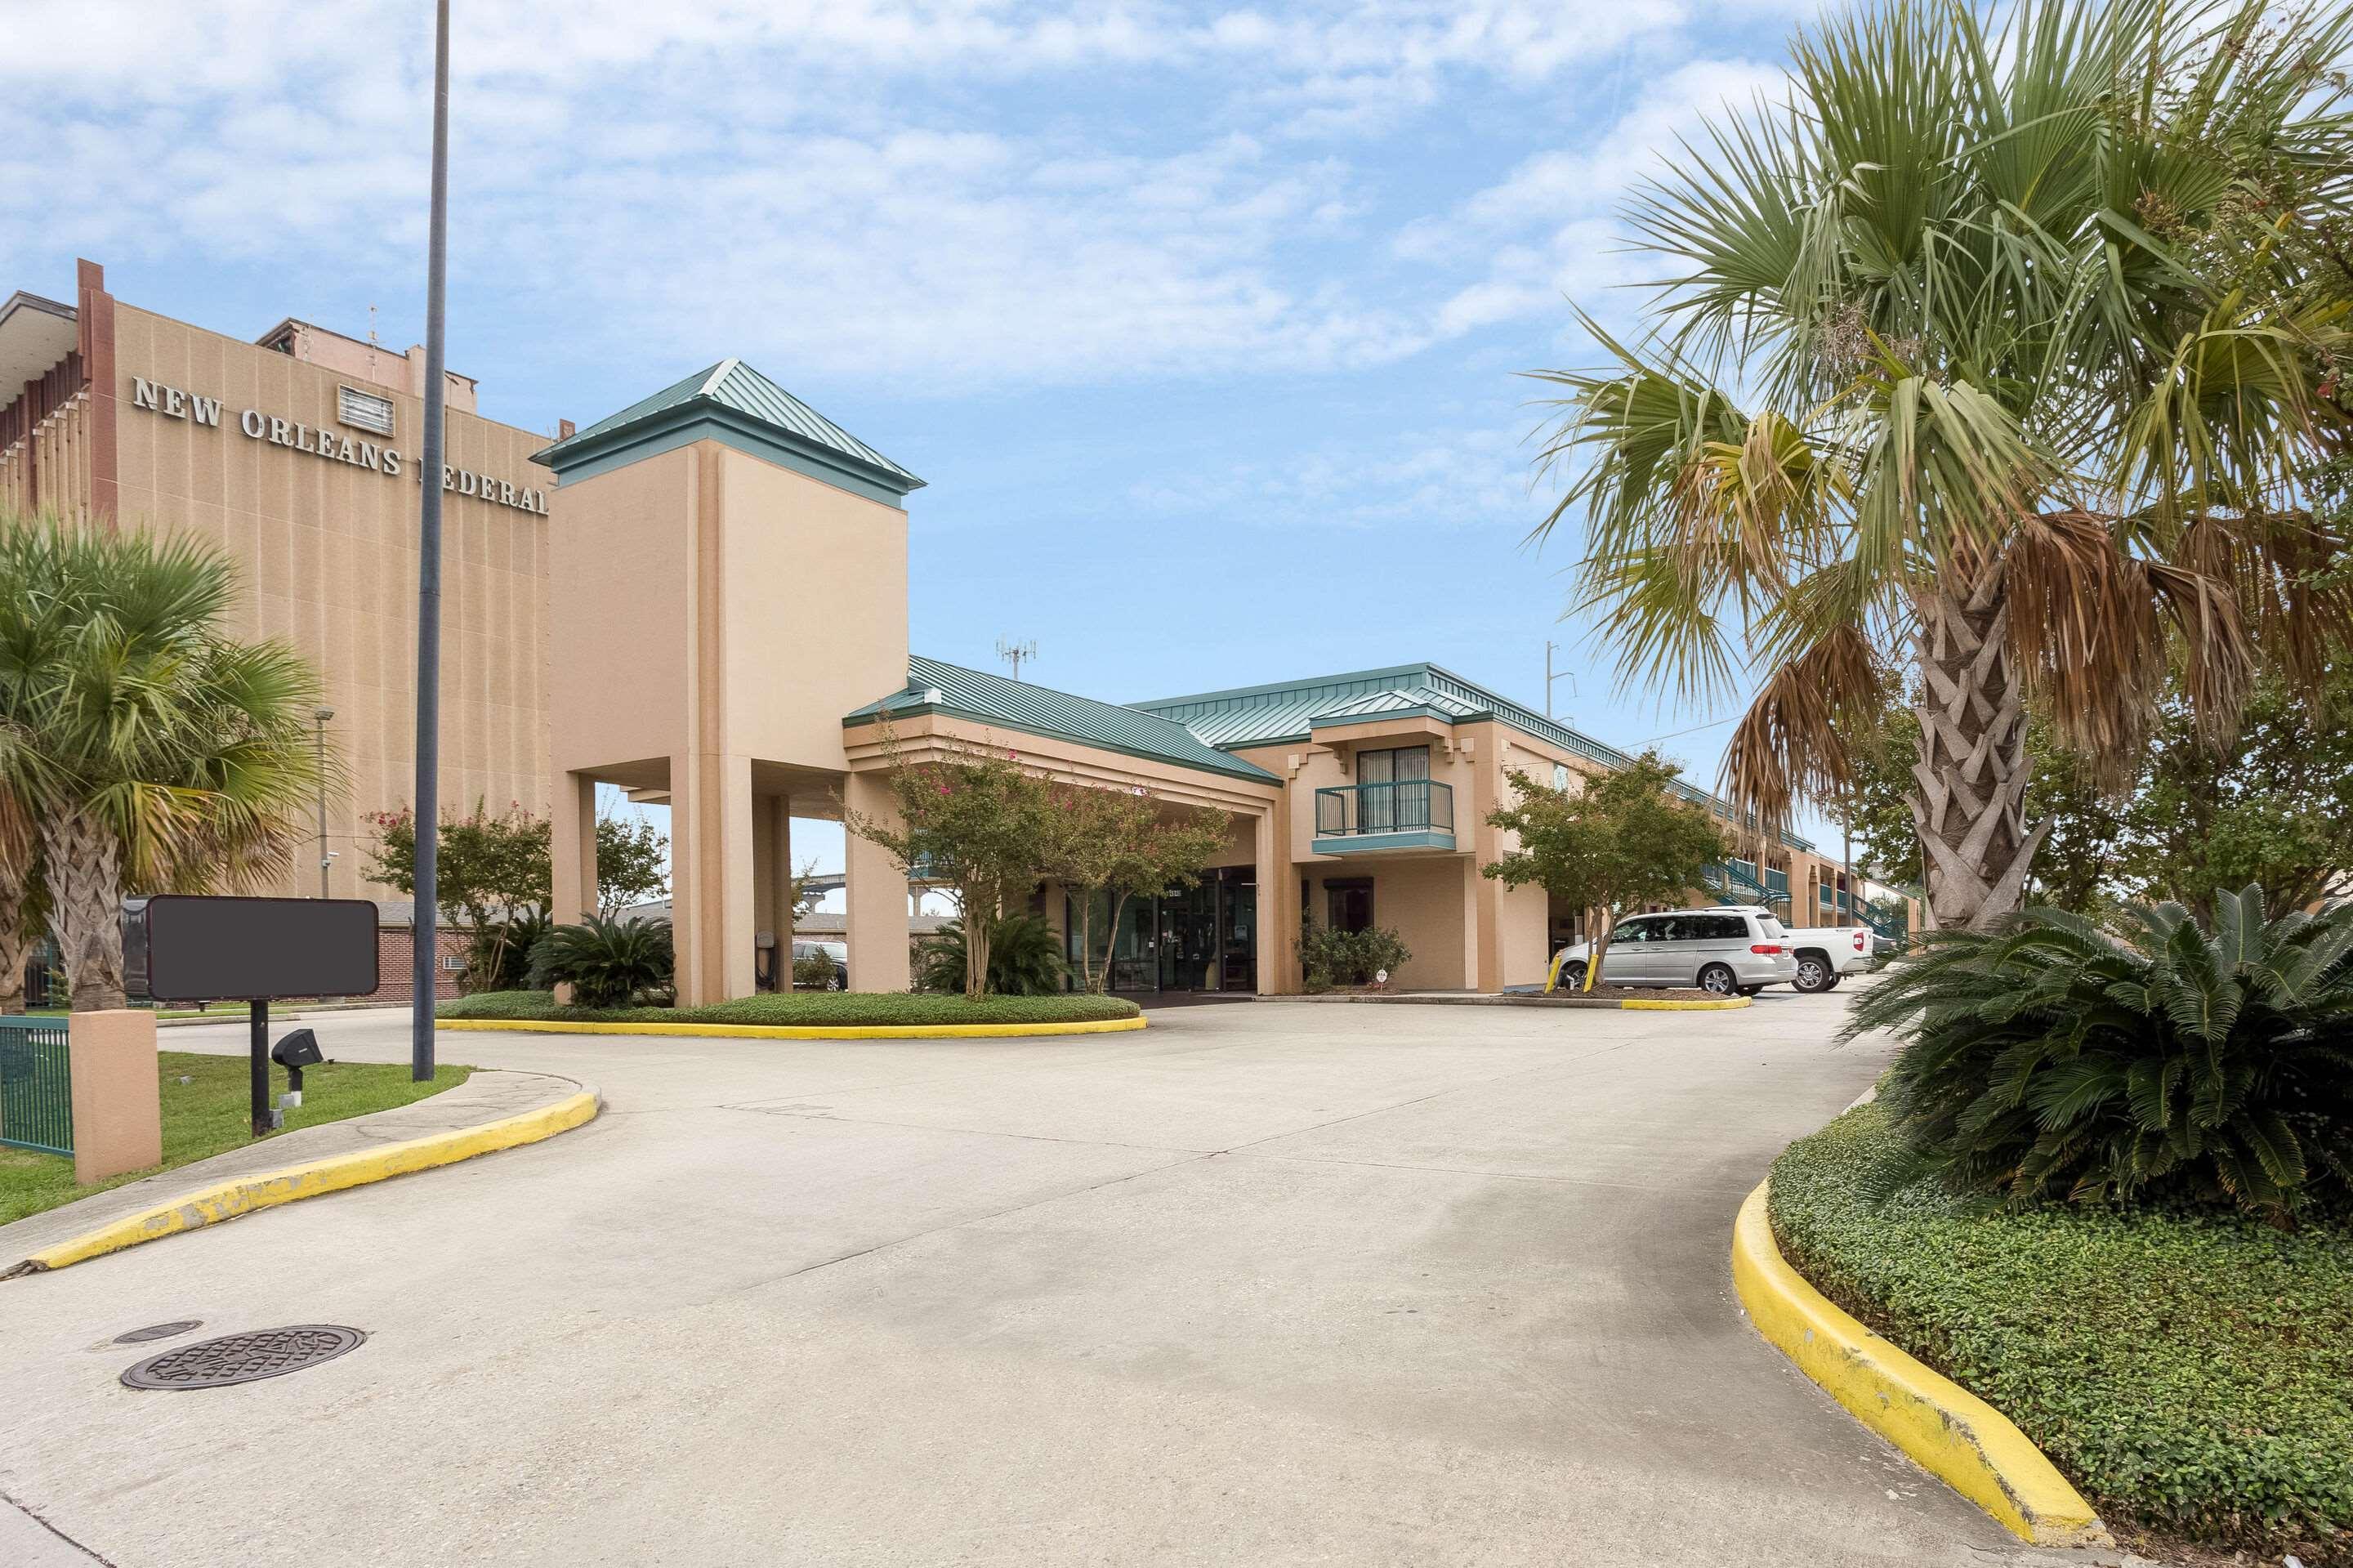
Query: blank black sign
{"x": 249, "y": 950}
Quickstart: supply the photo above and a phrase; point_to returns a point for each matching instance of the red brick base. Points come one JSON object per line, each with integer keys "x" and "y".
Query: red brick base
{"x": 395, "y": 948}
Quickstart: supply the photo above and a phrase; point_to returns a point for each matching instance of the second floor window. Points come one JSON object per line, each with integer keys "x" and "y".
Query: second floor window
{"x": 1406, "y": 802}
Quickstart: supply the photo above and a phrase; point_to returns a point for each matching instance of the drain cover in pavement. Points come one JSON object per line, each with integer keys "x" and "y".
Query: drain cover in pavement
{"x": 244, "y": 1358}
{"x": 158, "y": 1331}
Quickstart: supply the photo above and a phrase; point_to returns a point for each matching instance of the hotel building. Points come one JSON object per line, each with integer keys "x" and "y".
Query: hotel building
{"x": 612, "y": 614}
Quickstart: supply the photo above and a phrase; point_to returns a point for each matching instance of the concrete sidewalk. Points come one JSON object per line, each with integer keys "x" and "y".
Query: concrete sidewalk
{"x": 485, "y": 1097}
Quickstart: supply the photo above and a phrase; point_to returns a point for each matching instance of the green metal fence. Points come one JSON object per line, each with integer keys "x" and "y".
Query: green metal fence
{"x": 36, "y": 1090}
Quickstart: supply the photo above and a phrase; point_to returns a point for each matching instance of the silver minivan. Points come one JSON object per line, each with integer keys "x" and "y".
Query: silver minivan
{"x": 1730, "y": 949}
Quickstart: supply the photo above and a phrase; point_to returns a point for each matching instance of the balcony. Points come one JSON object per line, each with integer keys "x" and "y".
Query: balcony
{"x": 1371, "y": 819}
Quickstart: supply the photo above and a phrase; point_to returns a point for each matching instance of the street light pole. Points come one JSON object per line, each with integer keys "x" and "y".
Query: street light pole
{"x": 424, "y": 926}
{"x": 1568, "y": 675}
{"x": 323, "y": 714}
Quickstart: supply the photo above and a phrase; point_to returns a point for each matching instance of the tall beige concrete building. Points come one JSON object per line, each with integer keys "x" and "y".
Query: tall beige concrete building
{"x": 297, "y": 453}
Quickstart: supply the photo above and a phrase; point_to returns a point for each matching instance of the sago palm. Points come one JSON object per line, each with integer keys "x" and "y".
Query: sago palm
{"x": 2057, "y": 1059}
{"x": 162, "y": 754}
{"x": 1988, "y": 365}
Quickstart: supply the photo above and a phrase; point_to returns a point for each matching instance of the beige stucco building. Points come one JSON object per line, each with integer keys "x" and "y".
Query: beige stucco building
{"x": 620, "y": 607}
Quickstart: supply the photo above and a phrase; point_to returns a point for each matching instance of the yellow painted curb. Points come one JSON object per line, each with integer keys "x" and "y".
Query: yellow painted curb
{"x": 1633, "y": 1004}
{"x": 803, "y": 1031}
{"x": 241, "y": 1195}
{"x": 1950, "y": 1432}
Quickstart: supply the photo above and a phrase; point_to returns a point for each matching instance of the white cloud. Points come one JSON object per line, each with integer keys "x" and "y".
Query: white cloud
{"x": 832, "y": 185}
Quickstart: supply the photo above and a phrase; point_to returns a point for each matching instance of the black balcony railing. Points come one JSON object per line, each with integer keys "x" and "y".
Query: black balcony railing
{"x": 1409, "y": 806}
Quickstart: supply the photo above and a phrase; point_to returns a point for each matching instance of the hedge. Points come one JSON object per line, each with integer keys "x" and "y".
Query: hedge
{"x": 2192, "y": 1372}
{"x": 839, "y": 1010}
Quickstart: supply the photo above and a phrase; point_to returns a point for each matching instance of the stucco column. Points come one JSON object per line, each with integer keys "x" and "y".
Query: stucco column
{"x": 780, "y": 885}
{"x": 571, "y": 850}
{"x": 876, "y": 898}
{"x": 1278, "y": 906}
{"x": 710, "y": 877}
{"x": 117, "y": 1119}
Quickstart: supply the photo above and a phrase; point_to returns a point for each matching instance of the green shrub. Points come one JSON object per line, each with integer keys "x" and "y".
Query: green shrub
{"x": 1025, "y": 958}
{"x": 817, "y": 972}
{"x": 605, "y": 961}
{"x": 815, "y": 1009}
{"x": 492, "y": 965}
{"x": 2189, "y": 1371}
{"x": 2159, "y": 1062}
{"x": 1329, "y": 956}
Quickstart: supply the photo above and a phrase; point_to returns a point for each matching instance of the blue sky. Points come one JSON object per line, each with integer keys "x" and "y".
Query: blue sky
{"x": 1202, "y": 322}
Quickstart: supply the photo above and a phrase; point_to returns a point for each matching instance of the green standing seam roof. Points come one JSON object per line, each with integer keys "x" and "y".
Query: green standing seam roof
{"x": 1290, "y": 710}
{"x": 935, "y": 688}
{"x": 731, "y": 389}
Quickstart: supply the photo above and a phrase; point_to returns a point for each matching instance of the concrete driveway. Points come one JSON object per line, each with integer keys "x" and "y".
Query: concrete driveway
{"x": 1267, "y": 1283}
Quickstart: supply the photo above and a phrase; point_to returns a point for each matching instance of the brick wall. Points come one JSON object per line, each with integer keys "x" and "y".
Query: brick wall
{"x": 393, "y": 948}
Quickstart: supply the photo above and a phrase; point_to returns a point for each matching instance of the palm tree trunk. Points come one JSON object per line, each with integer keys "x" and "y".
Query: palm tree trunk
{"x": 85, "y": 873}
{"x": 1969, "y": 806}
{"x": 15, "y": 945}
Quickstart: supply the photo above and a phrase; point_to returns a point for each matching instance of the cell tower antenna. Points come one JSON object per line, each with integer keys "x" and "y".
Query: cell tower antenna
{"x": 1015, "y": 653}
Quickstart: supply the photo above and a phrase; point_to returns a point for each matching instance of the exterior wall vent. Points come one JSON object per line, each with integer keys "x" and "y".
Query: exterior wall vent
{"x": 363, "y": 410}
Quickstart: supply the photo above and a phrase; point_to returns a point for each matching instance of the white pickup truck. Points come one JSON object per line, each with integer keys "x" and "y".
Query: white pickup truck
{"x": 1828, "y": 954}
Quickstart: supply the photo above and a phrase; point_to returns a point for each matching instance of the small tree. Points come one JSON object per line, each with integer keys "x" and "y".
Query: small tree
{"x": 1120, "y": 843}
{"x": 1624, "y": 840}
{"x": 975, "y": 821}
{"x": 491, "y": 868}
{"x": 632, "y": 862}
{"x": 805, "y": 897}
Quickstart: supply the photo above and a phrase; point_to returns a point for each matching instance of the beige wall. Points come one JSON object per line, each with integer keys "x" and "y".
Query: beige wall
{"x": 327, "y": 555}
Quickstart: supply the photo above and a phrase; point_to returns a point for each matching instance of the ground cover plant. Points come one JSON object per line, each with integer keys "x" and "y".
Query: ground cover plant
{"x": 206, "y": 1112}
{"x": 2190, "y": 1372}
{"x": 2156, "y": 1061}
{"x": 837, "y": 1009}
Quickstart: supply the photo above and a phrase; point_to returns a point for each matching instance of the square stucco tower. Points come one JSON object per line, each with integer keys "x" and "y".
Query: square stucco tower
{"x": 727, "y": 578}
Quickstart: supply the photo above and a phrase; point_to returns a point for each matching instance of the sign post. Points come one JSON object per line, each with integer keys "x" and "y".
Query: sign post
{"x": 183, "y": 948}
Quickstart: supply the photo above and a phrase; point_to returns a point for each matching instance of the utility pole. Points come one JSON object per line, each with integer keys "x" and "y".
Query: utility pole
{"x": 323, "y": 714}
{"x": 426, "y": 924}
{"x": 1014, "y": 653}
{"x": 1568, "y": 675}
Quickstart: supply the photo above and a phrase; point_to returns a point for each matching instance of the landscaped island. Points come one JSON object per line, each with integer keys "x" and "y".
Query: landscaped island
{"x": 2190, "y": 1372}
{"x": 826, "y": 1009}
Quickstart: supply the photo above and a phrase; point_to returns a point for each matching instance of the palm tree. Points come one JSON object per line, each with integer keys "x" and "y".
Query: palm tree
{"x": 1988, "y": 367}
{"x": 159, "y": 753}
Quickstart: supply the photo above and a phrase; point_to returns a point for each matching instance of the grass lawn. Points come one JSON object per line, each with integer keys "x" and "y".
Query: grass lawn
{"x": 2192, "y": 1374}
{"x": 207, "y": 1114}
{"x": 817, "y": 1009}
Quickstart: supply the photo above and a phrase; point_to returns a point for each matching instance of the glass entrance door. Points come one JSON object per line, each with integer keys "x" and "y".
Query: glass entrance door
{"x": 1237, "y": 930}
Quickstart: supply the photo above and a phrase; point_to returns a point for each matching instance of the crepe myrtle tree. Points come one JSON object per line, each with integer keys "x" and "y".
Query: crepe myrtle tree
{"x": 491, "y": 867}
{"x": 971, "y": 820}
{"x": 1987, "y": 360}
{"x": 1625, "y": 839}
{"x": 1121, "y": 843}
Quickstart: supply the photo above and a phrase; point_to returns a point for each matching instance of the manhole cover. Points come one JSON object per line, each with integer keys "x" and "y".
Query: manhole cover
{"x": 244, "y": 1358}
{"x": 158, "y": 1331}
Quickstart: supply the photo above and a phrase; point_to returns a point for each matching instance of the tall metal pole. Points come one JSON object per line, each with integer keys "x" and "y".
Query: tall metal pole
{"x": 426, "y": 925}
{"x": 323, "y": 714}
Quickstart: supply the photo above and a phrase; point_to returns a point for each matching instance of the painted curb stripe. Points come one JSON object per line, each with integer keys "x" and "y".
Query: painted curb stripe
{"x": 1950, "y": 1432}
{"x": 803, "y": 1031}
{"x": 1633, "y": 1005}
{"x": 242, "y": 1195}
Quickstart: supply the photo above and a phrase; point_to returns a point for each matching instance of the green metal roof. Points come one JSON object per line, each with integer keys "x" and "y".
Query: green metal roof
{"x": 730, "y": 396}
{"x": 935, "y": 688}
{"x": 1290, "y": 710}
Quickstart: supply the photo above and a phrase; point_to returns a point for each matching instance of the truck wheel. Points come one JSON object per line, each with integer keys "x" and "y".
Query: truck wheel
{"x": 1814, "y": 973}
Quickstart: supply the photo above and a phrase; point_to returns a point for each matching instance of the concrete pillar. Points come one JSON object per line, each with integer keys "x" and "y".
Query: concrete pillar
{"x": 876, "y": 896}
{"x": 778, "y": 911}
{"x": 118, "y": 1116}
{"x": 710, "y": 877}
{"x": 1277, "y": 906}
{"x": 571, "y": 850}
